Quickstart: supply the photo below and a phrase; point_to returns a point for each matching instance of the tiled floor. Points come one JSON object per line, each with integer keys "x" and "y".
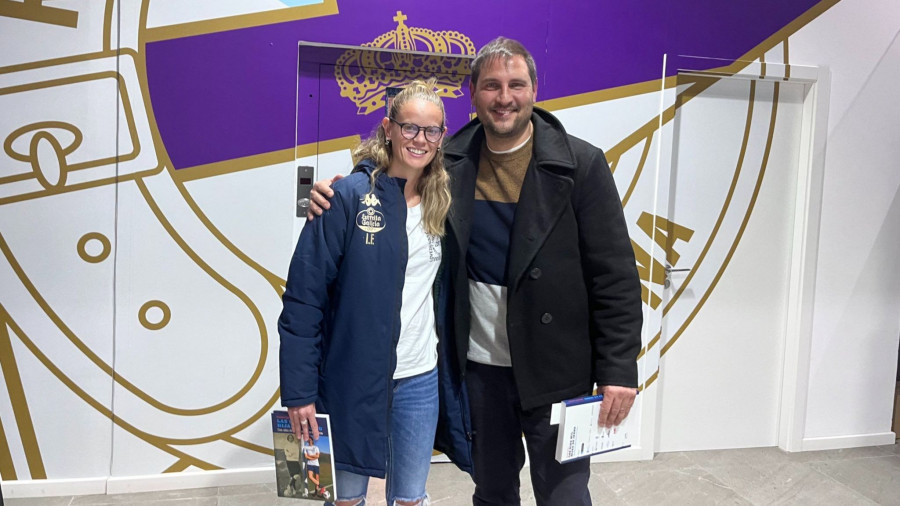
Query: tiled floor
{"x": 753, "y": 476}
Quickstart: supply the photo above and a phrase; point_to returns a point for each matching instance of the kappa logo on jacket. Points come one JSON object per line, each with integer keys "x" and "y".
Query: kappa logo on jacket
{"x": 370, "y": 200}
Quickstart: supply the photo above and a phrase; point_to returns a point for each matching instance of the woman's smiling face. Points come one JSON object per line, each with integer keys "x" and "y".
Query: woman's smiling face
{"x": 413, "y": 154}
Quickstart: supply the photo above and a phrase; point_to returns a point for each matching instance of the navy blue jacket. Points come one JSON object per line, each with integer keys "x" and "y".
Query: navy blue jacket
{"x": 341, "y": 322}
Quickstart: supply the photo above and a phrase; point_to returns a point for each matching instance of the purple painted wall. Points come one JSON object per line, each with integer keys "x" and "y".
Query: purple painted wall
{"x": 231, "y": 94}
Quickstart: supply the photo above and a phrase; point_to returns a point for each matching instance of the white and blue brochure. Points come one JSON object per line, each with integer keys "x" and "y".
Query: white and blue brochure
{"x": 580, "y": 436}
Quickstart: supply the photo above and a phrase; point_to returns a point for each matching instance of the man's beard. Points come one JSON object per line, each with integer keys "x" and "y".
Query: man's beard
{"x": 519, "y": 125}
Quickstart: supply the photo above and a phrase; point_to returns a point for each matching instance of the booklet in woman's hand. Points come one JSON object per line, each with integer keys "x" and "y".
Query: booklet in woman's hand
{"x": 303, "y": 470}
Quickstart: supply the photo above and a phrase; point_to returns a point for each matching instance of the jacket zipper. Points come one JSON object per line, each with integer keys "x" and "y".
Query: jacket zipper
{"x": 395, "y": 335}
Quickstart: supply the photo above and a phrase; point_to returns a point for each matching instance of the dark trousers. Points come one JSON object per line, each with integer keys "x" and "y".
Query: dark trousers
{"x": 498, "y": 422}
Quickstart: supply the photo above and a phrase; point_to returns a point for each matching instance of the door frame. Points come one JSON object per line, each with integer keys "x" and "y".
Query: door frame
{"x": 791, "y": 423}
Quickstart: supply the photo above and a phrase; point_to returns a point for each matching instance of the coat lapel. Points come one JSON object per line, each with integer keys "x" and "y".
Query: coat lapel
{"x": 462, "y": 183}
{"x": 546, "y": 190}
{"x": 546, "y": 193}
{"x": 461, "y": 163}
{"x": 543, "y": 199}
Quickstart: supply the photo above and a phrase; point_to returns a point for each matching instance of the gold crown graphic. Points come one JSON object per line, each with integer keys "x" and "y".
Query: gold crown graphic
{"x": 365, "y": 75}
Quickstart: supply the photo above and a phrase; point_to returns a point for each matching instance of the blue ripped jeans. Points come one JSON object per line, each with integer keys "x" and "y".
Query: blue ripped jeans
{"x": 414, "y": 415}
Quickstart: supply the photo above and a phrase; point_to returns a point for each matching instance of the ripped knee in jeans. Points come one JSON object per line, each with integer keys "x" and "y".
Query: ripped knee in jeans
{"x": 421, "y": 501}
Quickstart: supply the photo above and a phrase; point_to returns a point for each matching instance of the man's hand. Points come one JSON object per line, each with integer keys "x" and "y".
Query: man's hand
{"x": 616, "y": 405}
{"x": 319, "y": 195}
{"x": 303, "y": 422}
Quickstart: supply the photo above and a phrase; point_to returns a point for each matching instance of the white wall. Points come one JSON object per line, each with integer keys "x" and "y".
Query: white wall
{"x": 857, "y": 298}
{"x": 849, "y": 389}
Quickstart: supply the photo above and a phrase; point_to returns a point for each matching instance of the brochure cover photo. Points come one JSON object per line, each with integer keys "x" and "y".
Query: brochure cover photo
{"x": 303, "y": 470}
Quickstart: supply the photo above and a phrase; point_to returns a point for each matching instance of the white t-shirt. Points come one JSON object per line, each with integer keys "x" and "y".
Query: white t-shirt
{"x": 311, "y": 452}
{"x": 417, "y": 348}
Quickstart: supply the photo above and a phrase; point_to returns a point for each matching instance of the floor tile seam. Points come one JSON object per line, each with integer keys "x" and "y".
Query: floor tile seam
{"x": 795, "y": 487}
{"x": 851, "y": 487}
{"x": 886, "y": 455}
{"x": 180, "y": 500}
{"x": 720, "y": 485}
{"x": 111, "y": 502}
{"x": 709, "y": 468}
{"x": 684, "y": 472}
{"x": 854, "y": 461}
{"x": 843, "y": 485}
{"x": 842, "y": 459}
{"x": 770, "y": 471}
{"x": 864, "y": 457}
{"x": 718, "y": 482}
{"x": 689, "y": 487}
{"x": 738, "y": 497}
{"x": 248, "y": 493}
{"x": 644, "y": 471}
{"x": 721, "y": 478}
{"x": 648, "y": 476}
{"x": 751, "y": 501}
{"x": 727, "y": 461}
{"x": 626, "y": 502}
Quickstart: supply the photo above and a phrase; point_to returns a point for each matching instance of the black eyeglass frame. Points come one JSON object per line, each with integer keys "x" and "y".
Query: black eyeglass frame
{"x": 418, "y": 128}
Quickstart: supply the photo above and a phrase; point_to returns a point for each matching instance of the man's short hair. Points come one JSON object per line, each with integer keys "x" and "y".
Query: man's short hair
{"x": 501, "y": 47}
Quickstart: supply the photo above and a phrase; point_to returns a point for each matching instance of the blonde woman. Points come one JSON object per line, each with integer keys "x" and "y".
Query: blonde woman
{"x": 358, "y": 328}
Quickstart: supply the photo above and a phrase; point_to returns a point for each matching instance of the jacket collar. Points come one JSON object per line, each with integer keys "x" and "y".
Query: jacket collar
{"x": 545, "y": 190}
{"x": 367, "y": 166}
{"x": 551, "y": 144}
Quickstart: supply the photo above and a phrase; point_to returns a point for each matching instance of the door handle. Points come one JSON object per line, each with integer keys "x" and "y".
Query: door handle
{"x": 669, "y": 271}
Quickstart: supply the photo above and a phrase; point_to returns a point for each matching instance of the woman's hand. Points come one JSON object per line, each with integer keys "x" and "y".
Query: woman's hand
{"x": 303, "y": 422}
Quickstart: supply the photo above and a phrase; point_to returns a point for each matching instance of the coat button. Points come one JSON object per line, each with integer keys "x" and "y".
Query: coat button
{"x": 535, "y": 273}
{"x": 546, "y": 318}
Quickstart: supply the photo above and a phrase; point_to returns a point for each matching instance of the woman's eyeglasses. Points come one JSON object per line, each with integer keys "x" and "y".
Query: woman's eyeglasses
{"x": 411, "y": 130}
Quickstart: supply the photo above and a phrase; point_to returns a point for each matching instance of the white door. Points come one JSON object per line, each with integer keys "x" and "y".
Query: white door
{"x": 729, "y": 198}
